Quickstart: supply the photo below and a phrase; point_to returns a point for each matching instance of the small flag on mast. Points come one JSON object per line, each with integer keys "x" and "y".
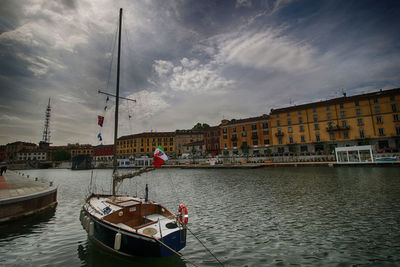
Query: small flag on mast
{"x": 159, "y": 157}
{"x": 100, "y": 120}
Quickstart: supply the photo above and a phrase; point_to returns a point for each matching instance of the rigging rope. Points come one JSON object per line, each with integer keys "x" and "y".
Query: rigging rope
{"x": 215, "y": 257}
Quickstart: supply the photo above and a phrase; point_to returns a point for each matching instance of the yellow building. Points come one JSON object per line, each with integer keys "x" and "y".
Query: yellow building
{"x": 12, "y": 149}
{"x": 318, "y": 127}
{"x": 81, "y": 150}
{"x": 250, "y": 136}
{"x": 142, "y": 144}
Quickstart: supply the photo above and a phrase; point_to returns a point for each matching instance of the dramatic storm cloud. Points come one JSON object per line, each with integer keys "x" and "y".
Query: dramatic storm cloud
{"x": 184, "y": 61}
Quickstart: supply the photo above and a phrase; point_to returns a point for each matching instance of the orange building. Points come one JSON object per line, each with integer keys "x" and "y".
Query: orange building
{"x": 319, "y": 127}
{"x": 250, "y": 136}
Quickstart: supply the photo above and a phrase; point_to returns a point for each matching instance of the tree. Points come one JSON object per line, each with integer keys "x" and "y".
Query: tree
{"x": 200, "y": 126}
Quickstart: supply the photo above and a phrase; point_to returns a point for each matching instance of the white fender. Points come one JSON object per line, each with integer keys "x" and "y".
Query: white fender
{"x": 117, "y": 241}
{"x": 91, "y": 228}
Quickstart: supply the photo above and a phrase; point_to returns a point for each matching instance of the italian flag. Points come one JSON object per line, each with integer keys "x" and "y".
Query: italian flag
{"x": 159, "y": 157}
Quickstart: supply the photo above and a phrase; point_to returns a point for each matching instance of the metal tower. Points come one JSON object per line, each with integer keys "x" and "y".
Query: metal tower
{"x": 46, "y": 130}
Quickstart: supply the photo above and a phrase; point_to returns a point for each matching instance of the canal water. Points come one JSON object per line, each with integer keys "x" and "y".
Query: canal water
{"x": 307, "y": 216}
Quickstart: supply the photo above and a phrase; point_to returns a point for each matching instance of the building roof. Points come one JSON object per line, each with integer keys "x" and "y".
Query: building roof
{"x": 241, "y": 121}
{"x": 147, "y": 134}
{"x": 338, "y": 100}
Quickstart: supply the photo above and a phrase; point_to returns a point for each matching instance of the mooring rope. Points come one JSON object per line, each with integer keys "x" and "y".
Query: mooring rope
{"x": 215, "y": 257}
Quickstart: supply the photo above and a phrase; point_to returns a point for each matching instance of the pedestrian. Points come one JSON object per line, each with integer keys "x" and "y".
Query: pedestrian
{"x": 3, "y": 169}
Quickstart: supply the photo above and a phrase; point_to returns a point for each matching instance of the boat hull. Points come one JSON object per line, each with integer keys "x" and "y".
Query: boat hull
{"x": 132, "y": 244}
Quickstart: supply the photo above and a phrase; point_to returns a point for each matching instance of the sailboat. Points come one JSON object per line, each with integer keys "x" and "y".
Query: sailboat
{"x": 129, "y": 225}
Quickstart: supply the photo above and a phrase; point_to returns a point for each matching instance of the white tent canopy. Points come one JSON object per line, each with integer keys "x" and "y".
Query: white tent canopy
{"x": 354, "y": 154}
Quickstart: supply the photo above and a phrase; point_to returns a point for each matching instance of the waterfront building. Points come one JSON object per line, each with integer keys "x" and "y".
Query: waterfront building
{"x": 319, "y": 127}
{"x": 185, "y": 137}
{"x": 84, "y": 149}
{"x": 144, "y": 144}
{"x": 32, "y": 155}
{"x": 250, "y": 136}
{"x": 12, "y": 149}
{"x": 212, "y": 140}
{"x": 103, "y": 153}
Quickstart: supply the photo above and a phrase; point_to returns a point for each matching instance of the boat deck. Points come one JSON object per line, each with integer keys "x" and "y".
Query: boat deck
{"x": 134, "y": 215}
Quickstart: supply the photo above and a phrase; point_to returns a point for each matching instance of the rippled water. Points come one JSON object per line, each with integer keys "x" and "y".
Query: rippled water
{"x": 308, "y": 216}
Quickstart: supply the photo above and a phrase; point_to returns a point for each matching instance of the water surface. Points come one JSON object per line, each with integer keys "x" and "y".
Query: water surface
{"x": 315, "y": 216}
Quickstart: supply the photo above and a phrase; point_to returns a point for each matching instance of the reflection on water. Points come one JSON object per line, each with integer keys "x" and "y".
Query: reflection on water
{"x": 273, "y": 216}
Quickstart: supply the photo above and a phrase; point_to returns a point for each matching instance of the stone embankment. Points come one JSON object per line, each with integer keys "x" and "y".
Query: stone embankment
{"x": 21, "y": 196}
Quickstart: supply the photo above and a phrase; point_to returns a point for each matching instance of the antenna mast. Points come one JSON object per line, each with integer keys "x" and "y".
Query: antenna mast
{"x": 46, "y": 130}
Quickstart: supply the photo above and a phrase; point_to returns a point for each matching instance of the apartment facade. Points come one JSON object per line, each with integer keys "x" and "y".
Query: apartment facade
{"x": 250, "y": 136}
{"x": 84, "y": 149}
{"x": 185, "y": 137}
{"x": 319, "y": 127}
{"x": 12, "y": 149}
{"x": 144, "y": 144}
{"x": 212, "y": 142}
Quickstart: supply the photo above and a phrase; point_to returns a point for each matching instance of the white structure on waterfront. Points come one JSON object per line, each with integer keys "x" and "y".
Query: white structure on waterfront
{"x": 32, "y": 155}
{"x": 354, "y": 154}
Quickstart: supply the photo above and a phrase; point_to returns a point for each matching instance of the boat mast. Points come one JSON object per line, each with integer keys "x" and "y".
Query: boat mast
{"x": 116, "y": 104}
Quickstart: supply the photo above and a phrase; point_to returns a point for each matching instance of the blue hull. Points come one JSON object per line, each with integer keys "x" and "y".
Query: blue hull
{"x": 134, "y": 244}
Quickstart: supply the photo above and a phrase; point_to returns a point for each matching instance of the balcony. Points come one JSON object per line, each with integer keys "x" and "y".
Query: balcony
{"x": 278, "y": 134}
{"x": 254, "y": 136}
{"x": 337, "y": 128}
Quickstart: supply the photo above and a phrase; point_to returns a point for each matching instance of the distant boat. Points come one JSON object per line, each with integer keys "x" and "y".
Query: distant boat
{"x": 386, "y": 159}
{"x": 132, "y": 226}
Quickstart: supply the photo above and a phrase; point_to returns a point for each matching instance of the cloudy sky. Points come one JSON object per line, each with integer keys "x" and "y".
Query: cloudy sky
{"x": 184, "y": 61}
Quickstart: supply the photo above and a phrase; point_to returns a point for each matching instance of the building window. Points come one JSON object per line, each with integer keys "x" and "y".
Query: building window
{"x": 234, "y": 129}
{"x": 341, "y": 105}
{"x": 243, "y": 128}
{"x": 277, "y": 115}
{"x": 332, "y": 136}
{"x": 266, "y": 132}
{"x": 265, "y": 125}
{"x": 290, "y": 130}
{"x": 280, "y": 140}
{"x": 330, "y": 125}
{"x": 234, "y": 144}
{"x": 289, "y": 121}
{"x": 398, "y": 130}
{"x": 360, "y": 122}
{"x": 344, "y": 123}
{"x": 254, "y": 127}
{"x": 255, "y": 142}
{"x": 358, "y": 112}
{"x": 318, "y": 137}
{"x": 225, "y": 136}
{"x": 299, "y": 112}
{"x": 356, "y": 102}
{"x": 278, "y": 123}
{"x": 301, "y": 128}
{"x": 315, "y": 118}
{"x": 316, "y": 126}
{"x": 342, "y": 114}
{"x": 392, "y": 98}
{"x": 396, "y": 117}
{"x": 244, "y": 134}
{"x": 288, "y": 114}
{"x": 394, "y": 108}
{"x": 328, "y": 107}
{"x": 362, "y": 136}
{"x": 290, "y": 139}
{"x": 224, "y": 130}
{"x": 346, "y": 135}
{"x": 300, "y": 119}
{"x": 329, "y": 116}
{"x": 379, "y": 120}
{"x": 381, "y": 131}
{"x": 314, "y": 110}
{"x": 303, "y": 139}
{"x": 377, "y": 110}
{"x": 375, "y": 100}
{"x": 266, "y": 141}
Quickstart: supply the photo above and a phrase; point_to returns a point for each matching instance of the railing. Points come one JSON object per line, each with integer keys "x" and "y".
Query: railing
{"x": 337, "y": 128}
{"x": 279, "y": 134}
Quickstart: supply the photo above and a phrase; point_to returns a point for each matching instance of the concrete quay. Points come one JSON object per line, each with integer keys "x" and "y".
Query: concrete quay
{"x": 20, "y": 196}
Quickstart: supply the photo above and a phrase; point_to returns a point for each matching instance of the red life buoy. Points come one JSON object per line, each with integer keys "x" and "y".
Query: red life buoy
{"x": 183, "y": 214}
